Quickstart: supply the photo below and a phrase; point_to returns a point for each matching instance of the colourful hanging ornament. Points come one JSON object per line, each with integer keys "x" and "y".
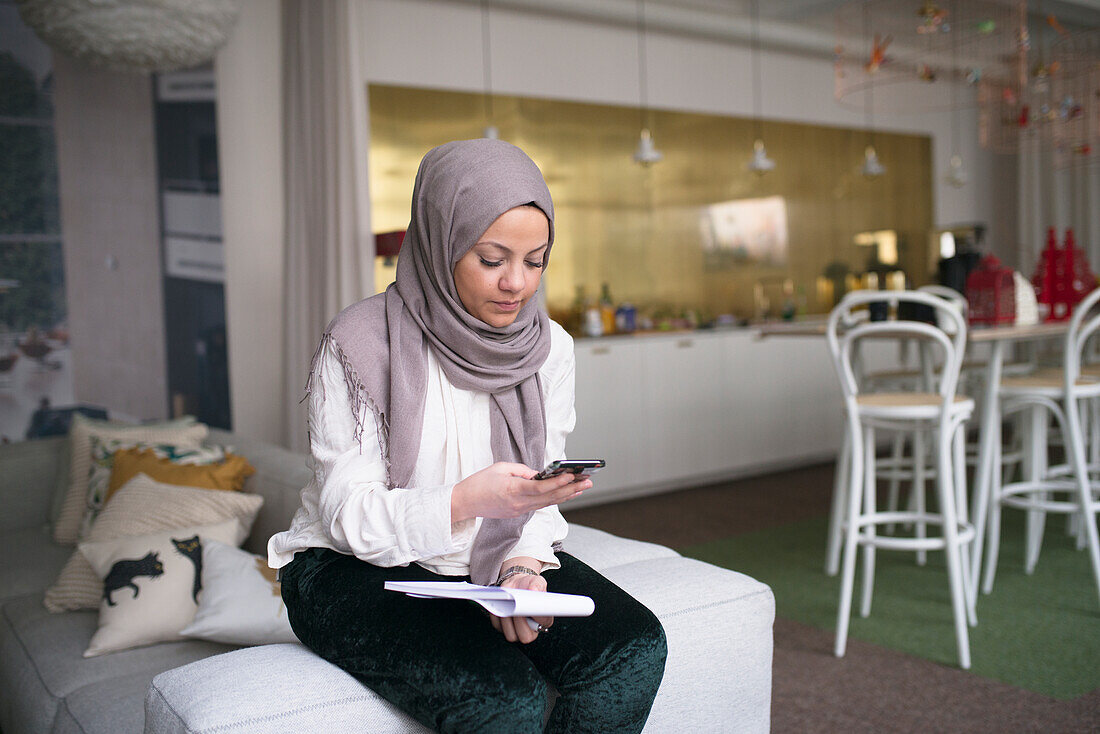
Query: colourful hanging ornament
{"x": 932, "y": 18}
{"x": 878, "y": 53}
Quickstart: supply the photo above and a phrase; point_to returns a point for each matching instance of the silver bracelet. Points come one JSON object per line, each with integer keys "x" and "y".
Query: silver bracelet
{"x": 513, "y": 571}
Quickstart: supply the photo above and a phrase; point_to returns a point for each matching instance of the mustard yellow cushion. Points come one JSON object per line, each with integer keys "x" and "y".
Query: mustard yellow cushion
{"x": 228, "y": 474}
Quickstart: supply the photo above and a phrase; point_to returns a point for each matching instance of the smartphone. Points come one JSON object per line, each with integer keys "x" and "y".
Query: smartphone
{"x": 580, "y": 468}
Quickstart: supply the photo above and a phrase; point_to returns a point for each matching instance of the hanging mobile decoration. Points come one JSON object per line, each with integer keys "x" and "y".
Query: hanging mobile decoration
{"x": 932, "y": 18}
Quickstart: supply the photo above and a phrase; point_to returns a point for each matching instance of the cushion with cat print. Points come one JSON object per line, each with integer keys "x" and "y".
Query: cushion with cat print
{"x": 241, "y": 602}
{"x": 141, "y": 507}
{"x": 151, "y": 584}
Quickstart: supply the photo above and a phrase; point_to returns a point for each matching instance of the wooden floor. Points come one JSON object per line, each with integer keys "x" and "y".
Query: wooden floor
{"x": 871, "y": 689}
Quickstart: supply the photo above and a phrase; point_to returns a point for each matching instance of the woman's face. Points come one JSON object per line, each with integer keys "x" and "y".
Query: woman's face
{"x": 501, "y": 272}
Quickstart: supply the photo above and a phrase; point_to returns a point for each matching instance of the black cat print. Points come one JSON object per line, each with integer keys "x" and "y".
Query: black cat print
{"x": 124, "y": 571}
{"x": 191, "y": 549}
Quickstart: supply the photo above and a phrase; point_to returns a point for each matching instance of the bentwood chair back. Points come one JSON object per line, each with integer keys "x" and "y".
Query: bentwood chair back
{"x": 1060, "y": 396}
{"x": 934, "y": 409}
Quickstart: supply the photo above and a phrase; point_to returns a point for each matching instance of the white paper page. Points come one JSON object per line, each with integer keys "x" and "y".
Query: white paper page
{"x": 498, "y": 601}
{"x": 548, "y": 604}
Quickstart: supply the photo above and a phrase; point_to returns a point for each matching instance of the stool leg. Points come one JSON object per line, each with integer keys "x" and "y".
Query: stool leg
{"x": 919, "y": 489}
{"x": 1084, "y": 489}
{"x": 993, "y": 514}
{"x": 963, "y": 512}
{"x": 836, "y": 513}
{"x": 870, "y": 486}
{"x": 851, "y": 530}
{"x": 952, "y": 546}
{"x": 989, "y": 433}
{"x": 1092, "y": 433}
{"x": 1036, "y": 519}
{"x": 896, "y": 456}
{"x": 1082, "y": 539}
{"x": 1092, "y": 430}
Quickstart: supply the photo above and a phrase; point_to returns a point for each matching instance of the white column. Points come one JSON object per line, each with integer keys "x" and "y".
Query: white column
{"x": 250, "y": 151}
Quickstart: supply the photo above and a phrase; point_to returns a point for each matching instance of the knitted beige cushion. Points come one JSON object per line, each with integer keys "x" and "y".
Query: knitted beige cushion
{"x": 140, "y": 507}
{"x": 182, "y": 432}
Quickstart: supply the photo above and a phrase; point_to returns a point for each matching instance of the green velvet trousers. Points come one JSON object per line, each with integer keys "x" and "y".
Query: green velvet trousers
{"x": 442, "y": 662}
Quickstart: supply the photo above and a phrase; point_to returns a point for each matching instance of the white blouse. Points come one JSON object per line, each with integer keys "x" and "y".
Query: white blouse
{"x": 347, "y": 506}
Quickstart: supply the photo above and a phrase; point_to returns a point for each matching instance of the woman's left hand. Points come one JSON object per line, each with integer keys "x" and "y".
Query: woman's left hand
{"x": 516, "y": 629}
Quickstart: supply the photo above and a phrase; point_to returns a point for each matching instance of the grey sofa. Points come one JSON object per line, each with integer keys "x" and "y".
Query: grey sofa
{"x": 718, "y": 624}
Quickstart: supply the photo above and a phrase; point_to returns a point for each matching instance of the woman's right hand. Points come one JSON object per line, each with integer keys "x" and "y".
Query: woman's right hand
{"x": 505, "y": 490}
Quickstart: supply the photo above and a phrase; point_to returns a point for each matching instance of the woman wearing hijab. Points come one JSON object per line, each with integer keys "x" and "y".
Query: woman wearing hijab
{"x": 431, "y": 408}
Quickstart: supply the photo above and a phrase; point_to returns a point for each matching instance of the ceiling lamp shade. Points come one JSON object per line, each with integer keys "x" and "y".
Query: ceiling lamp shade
{"x": 872, "y": 167}
{"x": 646, "y": 153}
{"x": 133, "y": 35}
{"x": 760, "y": 163}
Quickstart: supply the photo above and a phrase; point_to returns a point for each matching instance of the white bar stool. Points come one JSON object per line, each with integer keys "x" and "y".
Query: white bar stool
{"x": 941, "y": 413}
{"x": 1061, "y": 396}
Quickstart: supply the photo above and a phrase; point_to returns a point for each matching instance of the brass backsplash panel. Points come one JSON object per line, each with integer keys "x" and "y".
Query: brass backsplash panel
{"x": 640, "y": 229}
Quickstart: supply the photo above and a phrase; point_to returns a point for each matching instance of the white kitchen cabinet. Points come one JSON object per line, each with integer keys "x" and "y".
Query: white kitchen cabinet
{"x": 680, "y": 377}
{"x": 611, "y": 415}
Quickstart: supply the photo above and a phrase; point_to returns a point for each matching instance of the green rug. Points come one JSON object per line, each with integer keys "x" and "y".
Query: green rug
{"x": 1039, "y": 632}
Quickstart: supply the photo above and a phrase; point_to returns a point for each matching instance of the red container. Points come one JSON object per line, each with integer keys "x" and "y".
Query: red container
{"x": 991, "y": 293}
{"x": 388, "y": 244}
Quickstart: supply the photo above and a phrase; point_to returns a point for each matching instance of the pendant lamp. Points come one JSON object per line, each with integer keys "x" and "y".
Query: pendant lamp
{"x": 490, "y": 131}
{"x": 760, "y": 163}
{"x": 646, "y": 153}
{"x": 872, "y": 167}
{"x": 956, "y": 174}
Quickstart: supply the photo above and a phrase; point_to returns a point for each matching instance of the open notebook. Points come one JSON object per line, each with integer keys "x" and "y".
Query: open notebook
{"x": 498, "y": 601}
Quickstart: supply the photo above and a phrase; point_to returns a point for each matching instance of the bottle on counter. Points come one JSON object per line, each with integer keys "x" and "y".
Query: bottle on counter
{"x": 625, "y": 318}
{"x": 607, "y": 310}
{"x": 576, "y": 312}
{"x": 592, "y": 322}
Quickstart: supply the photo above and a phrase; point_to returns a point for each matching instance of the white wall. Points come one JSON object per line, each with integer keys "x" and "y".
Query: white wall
{"x": 542, "y": 54}
{"x": 249, "y": 110}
